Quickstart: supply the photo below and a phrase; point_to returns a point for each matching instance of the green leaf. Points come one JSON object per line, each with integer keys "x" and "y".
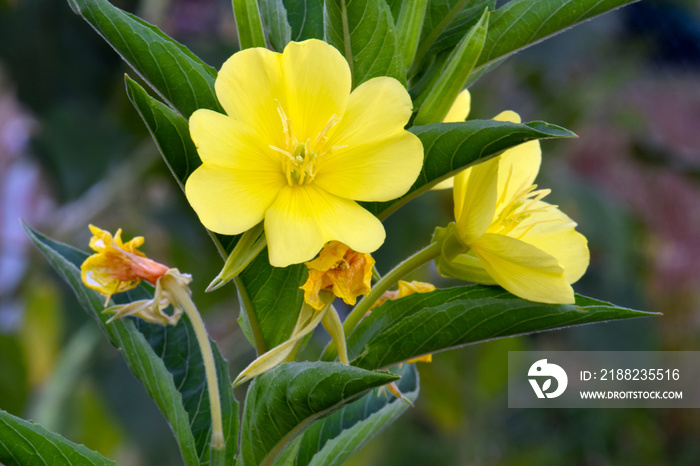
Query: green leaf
{"x": 446, "y": 22}
{"x": 248, "y": 24}
{"x": 450, "y": 147}
{"x": 521, "y": 23}
{"x": 409, "y": 24}
{"x": 170, "y": 131}
{"x": 332, "y": 440}
{"x": 274, "y": 297}
{"x": 306, "y": 19}
{"x": 454, "y": 75}
{"x": 166, "y": 359}
{"x": 178, "y": 75}
{"x": 365, "y": 33}
{"x": 426, "y": 323}
{"x": 277, "y": 28}
{"x": 284, "y": 401}
{"x": 24, "y": 443}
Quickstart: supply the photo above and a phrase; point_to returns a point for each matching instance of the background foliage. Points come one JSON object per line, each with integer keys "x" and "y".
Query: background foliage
{"x": 73, "y": 151}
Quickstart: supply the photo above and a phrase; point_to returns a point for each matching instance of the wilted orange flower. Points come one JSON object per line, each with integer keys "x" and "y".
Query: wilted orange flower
{"x": 340, "y": 270}
{"x": 117, "y": 266}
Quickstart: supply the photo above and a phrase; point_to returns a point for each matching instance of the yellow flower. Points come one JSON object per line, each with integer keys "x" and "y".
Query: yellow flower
{"x": 297, "y": 149}
{"x": 119, "y": 266}
{"x": 340, "y": 270}
{"x": 505, "y": 234}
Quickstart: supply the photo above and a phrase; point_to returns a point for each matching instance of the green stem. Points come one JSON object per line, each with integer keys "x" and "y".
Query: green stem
{"x": 217, "y": 434}
{"x": 246, "y": 303}
{"x": 410, "y": 264}
{"x": 423, "y": 256}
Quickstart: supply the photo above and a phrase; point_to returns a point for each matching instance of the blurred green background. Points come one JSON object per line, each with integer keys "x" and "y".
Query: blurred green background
{"x": 73, "y": 151}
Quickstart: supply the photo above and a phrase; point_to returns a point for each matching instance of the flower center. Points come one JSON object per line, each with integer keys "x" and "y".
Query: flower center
{"x": 519, "y": 209}
{"x": 300, "y": 158}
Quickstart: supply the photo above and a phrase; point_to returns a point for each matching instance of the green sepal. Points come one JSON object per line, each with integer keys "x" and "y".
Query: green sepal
{"x": 250, "y": 244}
{"x": 454, "y": 262}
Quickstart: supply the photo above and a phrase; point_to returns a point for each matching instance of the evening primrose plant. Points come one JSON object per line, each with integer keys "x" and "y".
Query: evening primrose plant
{"x": 331, "y": 117}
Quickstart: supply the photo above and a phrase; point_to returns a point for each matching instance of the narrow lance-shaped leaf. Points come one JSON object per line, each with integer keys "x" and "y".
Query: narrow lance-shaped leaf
{"x": 178, "y": 75}
{"x": 521, "y": 23}
{"x": 277, "y": 28}
{"x": 429, "y": 322}
{"x": 446, "y": 22}
{"x": 24, "y": 443}
{"x": 330, "y": 441}
{"x": 169, "y": 130}
{"x": 452, "y": 78}
{"x": 365, "y": 33}
{"x": 165, "y": 359}
{"x": 409, "y": 25}
{"x": 450, "y": 147}
{"x": 248, "y": 24}
{"x": 284, "y": 401}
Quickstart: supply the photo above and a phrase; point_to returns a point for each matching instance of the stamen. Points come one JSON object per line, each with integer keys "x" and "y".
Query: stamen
{"x": 299, "y": 162}
{"x": 281, "y": 151}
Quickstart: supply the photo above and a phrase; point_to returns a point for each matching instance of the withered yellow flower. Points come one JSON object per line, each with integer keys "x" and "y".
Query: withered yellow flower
{"x": 340, "y": 270}
{"x": 117, "y": 266}
{"x": 297, "y": 148}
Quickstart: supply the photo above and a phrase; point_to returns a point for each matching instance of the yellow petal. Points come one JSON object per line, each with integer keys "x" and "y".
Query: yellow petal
{"x": 519, "y": 165}
{"x": 303, "y": 218}
{"x": 378, "y": 108}
{"x": 230, "y": 201}
{"x": 225, "y": 142}
{"x": 445, "y": 184}
{"x": 553, "y": 232}
{"x": 459, "y": 111}
{"x": 508, "y": 115}
{"x": 424, "y": 358}
{"x": 523, "y": 269}
{"x": 247, "y": 86}
{"x": 318, "y": 82}
{"x": 376, "y": 171}
{"x": 475, "y": 199}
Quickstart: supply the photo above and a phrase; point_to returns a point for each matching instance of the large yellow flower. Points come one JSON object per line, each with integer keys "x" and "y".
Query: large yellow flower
{"x": 297, "y": 149}
{"x": 511, "y": 237}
